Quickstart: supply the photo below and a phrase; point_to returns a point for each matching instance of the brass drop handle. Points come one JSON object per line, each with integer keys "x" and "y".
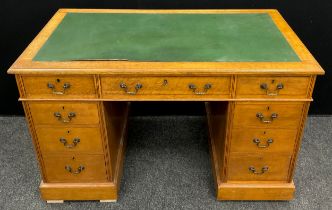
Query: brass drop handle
{"x": 77, "y": 171}
{"x": 274, "y": 92}
{"x": 65, "y": 120}
{"x": 54, "y": 91}
{"x": 262, "y": 118}
{"x": 126, "y": 89}
{"x": 259, "y": 145}
{"x": 72, "y": 145}
{"x": 262, "y": 171}
{"x": 193, "y": 87}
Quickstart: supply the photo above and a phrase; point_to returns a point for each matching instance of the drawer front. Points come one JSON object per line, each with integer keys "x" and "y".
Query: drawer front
{"x": 68, "y": 140}
{"x": 267, "y": 115}
{"x": 165, "y": 85}
{"x": 272, "y": 87}
{"x": 59, "y": 87}
{"x": 64, "y": 113}
{"x": 263, "y": 140}
{"x": 75, "y": 168}
{"x": 258, "y": 168}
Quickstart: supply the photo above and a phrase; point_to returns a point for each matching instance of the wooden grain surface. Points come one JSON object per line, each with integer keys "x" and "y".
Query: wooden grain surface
{"x": 78, "y": 191}
{"x": 90, "y": 140}
{"x": 293, "y": 87}
{"x": 238, "y": 167}
{"x": 289, "y": 114}
{"x": 279, "y": 191}
{"x": 243, "y": 142}
{"x": 85, "y": 113}
{"x": 80, "y": 87}
{"x": 164, "y": 85}
{"x": 94, "y": 168}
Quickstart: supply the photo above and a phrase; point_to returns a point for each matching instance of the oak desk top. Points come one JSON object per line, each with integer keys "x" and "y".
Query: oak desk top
{"x": 255, "y": 75}
{"x": 186, "y": 42}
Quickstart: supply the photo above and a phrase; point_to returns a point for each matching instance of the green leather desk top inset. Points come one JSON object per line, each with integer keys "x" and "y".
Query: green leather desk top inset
{"x": 166, "y": 38}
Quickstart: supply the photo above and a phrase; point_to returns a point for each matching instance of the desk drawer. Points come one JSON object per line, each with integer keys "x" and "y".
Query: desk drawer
{"x": 258, "y": 168}
{"x": 64, "y": 113}
{"x": 263, "y": 140}
{"x": 68, "y": 140}
{"x": 268, "y": 115}
{"x": 272, "y": 87}
{"x": 165, "y": 85}
{"x": 59, "y": 87}
{"x": 75, "y": 168}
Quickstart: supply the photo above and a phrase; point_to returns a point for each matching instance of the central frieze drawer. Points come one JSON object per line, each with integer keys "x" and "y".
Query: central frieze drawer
{"x": 64, "y": 113}
{"x": 165, "y": 85}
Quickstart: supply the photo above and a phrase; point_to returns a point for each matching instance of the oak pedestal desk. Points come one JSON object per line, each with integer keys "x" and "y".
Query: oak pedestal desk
{"x": 77, "y": 77}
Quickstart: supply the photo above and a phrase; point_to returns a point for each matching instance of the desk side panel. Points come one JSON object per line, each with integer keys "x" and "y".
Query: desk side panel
{"x": 31, "y": 127}
{"x": 115, "y": 120}
{"x": 217, "y": 113}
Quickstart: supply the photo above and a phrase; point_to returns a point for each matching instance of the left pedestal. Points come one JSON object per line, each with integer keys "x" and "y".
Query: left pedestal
{"x": 79, "y": 145}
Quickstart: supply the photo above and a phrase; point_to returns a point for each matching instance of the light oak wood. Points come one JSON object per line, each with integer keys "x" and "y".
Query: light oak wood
{"x": 94, "y": 191}
{"x": 300, "y": 132}
{"x": 94, "y": 168}
{"x": 288, "y": 114}
{"x": 78, "y": 191}
{"x": 238, "y": 167}
{"x": 245, "y": 190}
{"x": 172, "y": 98}
{"x": 217, "y": 115}
{"x": 80, "y": 87}
{"x": 293, "y": 87}
{"x": 280, "y": 191}
{"x": 164, "y": 86}
{"x": 35, "y": 142}
{"x": 90, "y": 140}
{"x": 116, "y": 115}
{"x": 85, "y": 113}
{"x": 283, "y": 141}
{"x": 101, "y": 112}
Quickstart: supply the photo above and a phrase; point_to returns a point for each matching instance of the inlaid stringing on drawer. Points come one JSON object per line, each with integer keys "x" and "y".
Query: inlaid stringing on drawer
{"x": 263, "y": 140}
{"x": 272, "y": 87}
{"x": 165, "y": 85}
{"x": 69, "y": 140}
{"x": 258, "y": 168}
{"x": 64, "y": 113}
{"x": 267, "y": 115}
{"x": 59, "y": 86}
{"x": 75, "y": 168}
